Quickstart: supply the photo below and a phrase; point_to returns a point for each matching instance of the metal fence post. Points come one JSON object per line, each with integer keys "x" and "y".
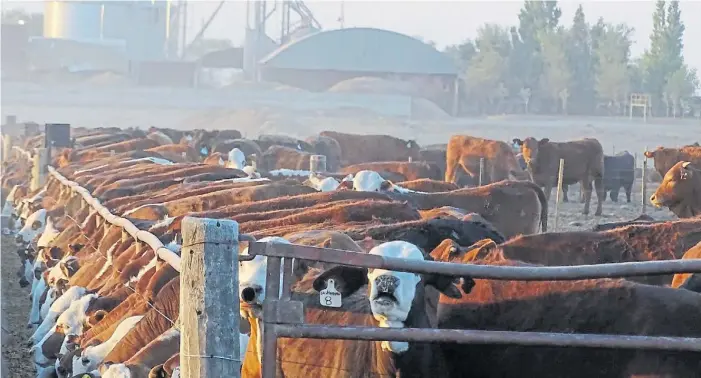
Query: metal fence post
{"x": 39, "y": 163}
{"x": 209, "y": 299}
{"x": 560, "y": 174}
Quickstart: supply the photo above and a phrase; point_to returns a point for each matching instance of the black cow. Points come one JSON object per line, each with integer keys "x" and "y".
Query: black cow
{"x": 619, "y": 172}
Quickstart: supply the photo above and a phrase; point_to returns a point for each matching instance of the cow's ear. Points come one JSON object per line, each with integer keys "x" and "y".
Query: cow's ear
{"x": 70, "y": 266}
{"x": 386, "y": 185}
{"x": 444, "y": 284}
{"x": 96, "y": 317}
{"x": 478, "y": 250}
{"x": 686, "y": 171}
{"x": 649, "y": 154}
{"x": 347, "y": 279}
{"x": 50, "y": 263}
{"x": 543, "y": 141}
{"x": 518, "y": 141}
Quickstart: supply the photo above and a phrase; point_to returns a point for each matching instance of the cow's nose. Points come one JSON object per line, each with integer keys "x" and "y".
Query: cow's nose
{"x": 248, "y": 294}
{"x": 653, "y": 198}
{"x": 18, "y": 239}
{"x": 386, "y": 283}
{"x": 30, "y": 343}
{"x": 23, "y": 283}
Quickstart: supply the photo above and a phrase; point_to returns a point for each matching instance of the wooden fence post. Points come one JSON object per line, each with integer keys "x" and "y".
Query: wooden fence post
{"x": 39, "y": 163}
{"x": 317, "y": 163}
{"x": 560, "y": 174}
{"x": 481, "y": 177}
{"x": 643, "y": 189}
{"x": 209, "y": 299}
{"x": 6, "y": 147}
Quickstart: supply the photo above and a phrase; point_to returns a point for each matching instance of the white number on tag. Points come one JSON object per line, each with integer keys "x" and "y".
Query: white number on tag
{"x": 330, "y": 297}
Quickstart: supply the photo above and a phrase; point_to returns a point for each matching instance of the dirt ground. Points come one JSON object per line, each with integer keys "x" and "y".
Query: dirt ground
{"x": 570, "y": 217}
{"x": 15, "y": 311}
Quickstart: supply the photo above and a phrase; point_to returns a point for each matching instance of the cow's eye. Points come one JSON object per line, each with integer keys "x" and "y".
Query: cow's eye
{"x": 36, "y": 225}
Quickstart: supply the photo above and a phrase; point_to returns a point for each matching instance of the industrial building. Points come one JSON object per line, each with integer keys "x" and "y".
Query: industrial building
{"x": 147, "y": 40}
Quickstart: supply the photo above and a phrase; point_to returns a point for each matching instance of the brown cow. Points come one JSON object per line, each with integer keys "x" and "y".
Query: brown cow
{"x": 356, "y": 148}
{"x": 355, "y": 358}
{"x": 666, "y": 158}
{"x": 280, "y": 157}
{"x": 640, "y": 242}
{"x": 428, "y": 185}
{"x": 680, "y": 190}
{"x": 155, "y": 322}
{"x": 514, "y": 207}
{"x": 71, "y": 156}
{"x": 328, "y": 147}
{"x": 214, "y": 200}
{"x": 601, "y": 306}
{"x": 414, "y": 170}
{"x": 465, "y": 152}
{"x": 683, "y": 279}
{"x": 584, "y": 162}
{"x": 177, "y": 153}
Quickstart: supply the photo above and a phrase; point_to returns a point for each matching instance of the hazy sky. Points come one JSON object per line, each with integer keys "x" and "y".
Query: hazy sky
{"x": 445, "y": 22}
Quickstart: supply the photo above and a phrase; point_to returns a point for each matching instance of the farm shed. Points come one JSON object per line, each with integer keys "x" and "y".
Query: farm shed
{"x": 318, "y": 61}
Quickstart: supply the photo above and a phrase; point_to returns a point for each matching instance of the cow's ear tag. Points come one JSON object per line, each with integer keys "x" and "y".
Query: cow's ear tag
{"x": 330, "y": 297}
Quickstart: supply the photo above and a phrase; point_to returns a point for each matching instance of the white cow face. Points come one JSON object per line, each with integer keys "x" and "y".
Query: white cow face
{"x": 252, "y": 281}
{"x": 318, "y": 182}
{"x": 33, "y": 227}
{"x": 57, "y": 308}
{"x": 49, "y": 234}
{"x": 392, "y": 295}
{"x": 368, "y": 181}
{"x": 236, "y": 159}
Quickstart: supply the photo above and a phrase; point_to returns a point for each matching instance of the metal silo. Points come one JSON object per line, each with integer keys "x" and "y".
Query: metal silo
{"x": 147, "y": 30}
{"x": 75, "y": 20}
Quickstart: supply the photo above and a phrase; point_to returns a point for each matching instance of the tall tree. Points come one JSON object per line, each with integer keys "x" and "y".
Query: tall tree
{"x": 488, "y": 67}
{"x": 461, "y": 54}
{"x": 580, "y": 64}
{"x": 663, "y": 57}
{"x": 556, "y": 77}
{"x": 681, "y": 84}
{"x": 612, "y": 71}
{"x": 674, "y": 34}
{"x": 535, "y": 19}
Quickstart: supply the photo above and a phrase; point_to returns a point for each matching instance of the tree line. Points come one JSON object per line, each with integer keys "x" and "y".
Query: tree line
{"x": 542, "y": 66}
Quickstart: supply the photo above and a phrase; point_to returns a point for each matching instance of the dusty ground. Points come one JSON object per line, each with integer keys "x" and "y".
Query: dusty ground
{"x": 570, "y": 217}
{"x": 15, "y": 310}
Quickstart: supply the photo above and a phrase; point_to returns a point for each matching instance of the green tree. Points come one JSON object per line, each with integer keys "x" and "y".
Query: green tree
{"x": 674, "y": 34}
{"x": 526, "y": 67}
{"x": 664, "y": 61}
{"x": 612, "y": 70}
{"x": 580, "y": 63}
{"x": 488, "y": 68}
{"x": 461, "y": 54}
{"x": 681, "y": 84}
{"x": 556, "y": 77}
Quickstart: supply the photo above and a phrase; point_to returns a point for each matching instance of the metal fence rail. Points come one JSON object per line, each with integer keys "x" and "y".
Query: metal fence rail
{"x": 515, "y": 273}
{"x": 285, "y": 317}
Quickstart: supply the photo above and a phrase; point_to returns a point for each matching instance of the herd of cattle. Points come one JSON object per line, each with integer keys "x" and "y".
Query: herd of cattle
{"x": 104, "y": 305}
